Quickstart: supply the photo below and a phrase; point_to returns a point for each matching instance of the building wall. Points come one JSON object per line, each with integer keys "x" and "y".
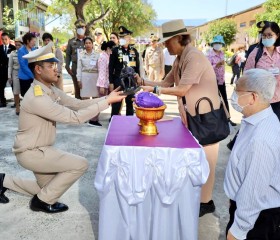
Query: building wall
{"x": 33, "y": 21}
{"x": 244, "y": 20}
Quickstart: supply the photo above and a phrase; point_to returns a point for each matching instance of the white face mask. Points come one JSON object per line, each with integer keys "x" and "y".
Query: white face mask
{"x": 122, "y": 41}
{"x": 81, "y": 31}
{"x": 217, "y": 46}
{"x": 234, "y": 102}
{"x": 268, "y": 42}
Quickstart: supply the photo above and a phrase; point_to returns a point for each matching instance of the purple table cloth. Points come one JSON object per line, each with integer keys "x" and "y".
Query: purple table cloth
{"x": 124, "y": 131}
{"x": 149, "y": 186}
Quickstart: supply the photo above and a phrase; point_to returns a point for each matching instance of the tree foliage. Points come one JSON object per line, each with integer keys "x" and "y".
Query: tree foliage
{"x": 271, "y": 13}
{"x": 225, "y": 27}
{"x": 107, "y": 14}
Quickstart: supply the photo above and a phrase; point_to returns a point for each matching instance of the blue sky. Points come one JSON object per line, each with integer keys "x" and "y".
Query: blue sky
{"x": 207, "y": 9}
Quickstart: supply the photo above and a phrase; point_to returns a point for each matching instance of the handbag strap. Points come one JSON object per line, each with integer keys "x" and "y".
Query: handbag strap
{"x": 198, "y": 102}
{"x": 224, "y": 106}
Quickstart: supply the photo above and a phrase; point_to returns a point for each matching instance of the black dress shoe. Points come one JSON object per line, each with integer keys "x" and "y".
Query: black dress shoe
{"x": 3, "y": 105}
{"x": 3, "y": 198}
{"x": 37, "y": 205}
{"x": 206, "y": 208}
{"x": 13, "y": 106}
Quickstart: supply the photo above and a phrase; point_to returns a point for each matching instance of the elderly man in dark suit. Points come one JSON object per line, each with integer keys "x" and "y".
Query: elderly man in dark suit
{"x": 5, "y": 49}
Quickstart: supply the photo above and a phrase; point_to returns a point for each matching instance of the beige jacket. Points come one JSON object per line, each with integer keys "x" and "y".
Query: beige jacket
{"x": 39, "y": 114}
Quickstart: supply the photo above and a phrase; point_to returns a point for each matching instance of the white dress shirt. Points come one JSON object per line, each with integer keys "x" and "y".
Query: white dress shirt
{"x": 168, "y": 59}
{"x": 253, "y": 172}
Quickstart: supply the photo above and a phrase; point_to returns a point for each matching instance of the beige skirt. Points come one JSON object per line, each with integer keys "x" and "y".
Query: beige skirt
{"x": 16, "y": 85}
{"x": 89, "y": 81}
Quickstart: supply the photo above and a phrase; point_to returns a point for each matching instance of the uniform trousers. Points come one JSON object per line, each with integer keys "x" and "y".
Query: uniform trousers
{"x": 154, "y": 74}
{"x": 267, "y": 226}
{"x": 116, "y": 107}
{"x": 55, "y": 172}
{"x": 3, "y": 82}
{"x": 75, "y": 80}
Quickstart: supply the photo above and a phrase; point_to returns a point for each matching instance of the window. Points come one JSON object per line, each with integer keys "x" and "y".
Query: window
{"x": 243, "y": 24}
{"x": 252, "y": 22}
{"x": 23, "y": 21}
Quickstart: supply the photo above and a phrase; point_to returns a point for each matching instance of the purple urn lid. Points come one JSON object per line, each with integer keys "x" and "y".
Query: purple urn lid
{"x": 148, "y": 100}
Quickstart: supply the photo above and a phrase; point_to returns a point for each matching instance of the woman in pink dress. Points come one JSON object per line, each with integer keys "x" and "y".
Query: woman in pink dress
{"x": 103, "y": 68}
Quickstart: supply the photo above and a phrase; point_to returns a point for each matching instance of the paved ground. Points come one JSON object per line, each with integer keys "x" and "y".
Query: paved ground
{"x": 81, "y": 221}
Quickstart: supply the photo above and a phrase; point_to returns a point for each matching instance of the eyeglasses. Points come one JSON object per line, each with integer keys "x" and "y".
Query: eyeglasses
{"x": 264, "y": 36}
{"x": 50, "y": 66}
{"x": 242, "y": 90}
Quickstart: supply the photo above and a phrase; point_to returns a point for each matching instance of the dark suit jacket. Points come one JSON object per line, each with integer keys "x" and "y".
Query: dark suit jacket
{"x": 4, "y": 60}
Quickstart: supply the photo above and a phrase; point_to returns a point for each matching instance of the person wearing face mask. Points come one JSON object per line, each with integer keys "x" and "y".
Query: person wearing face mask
{"x": 253, "y": 171}
{"x": 269, "y": 58}
{"x": 74, "y": 48}
{"x": 123, "y": 53}
{"x": 216, "y": 57}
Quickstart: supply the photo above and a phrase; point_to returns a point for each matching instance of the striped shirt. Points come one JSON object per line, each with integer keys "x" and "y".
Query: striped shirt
{"x": 253, "y": 173}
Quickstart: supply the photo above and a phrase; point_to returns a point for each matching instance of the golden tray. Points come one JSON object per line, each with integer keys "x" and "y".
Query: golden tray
{"x": 148, "y": 117}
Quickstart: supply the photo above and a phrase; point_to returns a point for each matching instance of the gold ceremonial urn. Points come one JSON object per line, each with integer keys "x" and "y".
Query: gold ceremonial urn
{"x": 148, "y": 117}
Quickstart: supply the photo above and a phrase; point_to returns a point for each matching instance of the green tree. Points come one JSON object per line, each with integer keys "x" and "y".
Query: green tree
{"x": 271, "y": 13}
{"x": 226, "y": 27}
{"x": 61, "y": 34}
{"x": 136, "y": 15}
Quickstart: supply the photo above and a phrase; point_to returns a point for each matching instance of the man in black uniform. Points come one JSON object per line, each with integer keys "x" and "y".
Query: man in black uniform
{"x": 5, "y": 50}
{"x": 121, "y": 54}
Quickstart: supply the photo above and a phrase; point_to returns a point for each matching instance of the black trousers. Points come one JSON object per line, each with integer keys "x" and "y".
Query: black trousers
{"x": 223, "y": 91}
{"x": 267, "y": 226}
{"x": 167, "y": 69}
{"x": 24, "y": 86}
{"x": 235, "y": 72}
{"x": 116, "y": 107}
{"x": 3, "y": 82}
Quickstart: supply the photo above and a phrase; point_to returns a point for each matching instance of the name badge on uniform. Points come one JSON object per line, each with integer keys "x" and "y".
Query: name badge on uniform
{"x": 274, "y": 71}
{"x": 132, "y": 64}
{"x": 125, "y": 58}
{"x": 37, "y": 90}
{"x": 79, "y": 51}
{"x": 92, "y": 63}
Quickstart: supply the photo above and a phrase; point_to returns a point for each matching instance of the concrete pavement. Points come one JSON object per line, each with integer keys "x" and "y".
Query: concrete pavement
{"x": 17, "y": 221}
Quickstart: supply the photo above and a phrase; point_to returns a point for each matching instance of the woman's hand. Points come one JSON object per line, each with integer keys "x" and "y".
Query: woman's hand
{"x": 102, "y": 91}
{"x": 147, "y": 88}
{"x": 138, "y": 79}
{"x": 115, "y": 96}
{"x": 80, "y": 84}
{"x": 111, "y": 87}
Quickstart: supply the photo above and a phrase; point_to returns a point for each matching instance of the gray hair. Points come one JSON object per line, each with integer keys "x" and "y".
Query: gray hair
{"x": 261, "y": 82}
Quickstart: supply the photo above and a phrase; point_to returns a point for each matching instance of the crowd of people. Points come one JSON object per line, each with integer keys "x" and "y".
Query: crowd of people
{"x": 252, "y": 175}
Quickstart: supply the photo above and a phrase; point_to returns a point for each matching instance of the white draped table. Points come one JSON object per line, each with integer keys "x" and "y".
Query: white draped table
{"x": 149, "y": 186}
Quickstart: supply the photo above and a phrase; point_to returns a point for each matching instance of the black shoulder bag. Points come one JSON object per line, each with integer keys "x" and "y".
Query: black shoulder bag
{"x": 208, "y": 128}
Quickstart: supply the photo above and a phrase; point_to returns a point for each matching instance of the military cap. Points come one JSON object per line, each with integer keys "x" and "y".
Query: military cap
{"x": 43, "y": 54}
{"x": 18, "y": 39}
{"x": 98, "y": 31}
{"x": 80, "y": 23}
{"x": 124, "y": 31}
{"x": 262, "y": 24}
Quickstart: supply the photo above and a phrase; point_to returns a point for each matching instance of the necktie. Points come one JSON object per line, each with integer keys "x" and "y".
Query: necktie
{"x": 5, "y": 49}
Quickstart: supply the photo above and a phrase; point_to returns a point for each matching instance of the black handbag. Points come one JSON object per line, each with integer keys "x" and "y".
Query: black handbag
{"x": 208, "y": 128}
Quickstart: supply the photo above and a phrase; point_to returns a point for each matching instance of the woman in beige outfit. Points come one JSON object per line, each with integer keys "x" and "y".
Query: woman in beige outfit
{"x": 87, "y": 75}
{"x": 13, "y": 73}
{"x": 194, "y": 78}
